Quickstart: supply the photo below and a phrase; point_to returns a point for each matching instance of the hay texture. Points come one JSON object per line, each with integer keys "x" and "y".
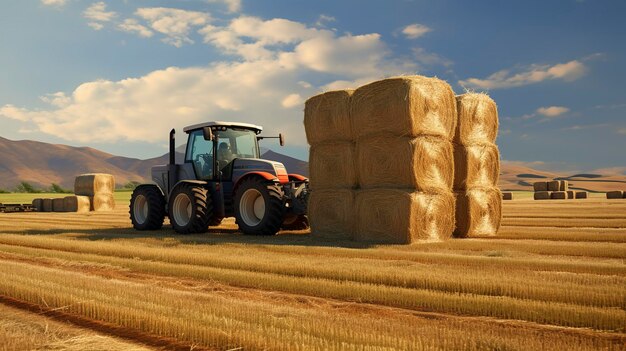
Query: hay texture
{"x": 554, "y": 185}
{"x": 92, "y": 184}
{"x": 331, "y": 213}
{"x": 558, "y": 195}
{"x": 327, "y": 117}
{"x": 563, "y": 185}
{"x": 477, "y": 119}
{"x": 541, "y": 195}
{"x": 58, "y": 205}
{"x": 478, "y": 212}
{"x": 616, "y": 194}
{"x": 332, "y": 165}
{"x": 404, "y": 106}
{"x": 476, "y": 166}
{"x": 540, "y": 186}
{"x": 46, "y": 205}
{"x": 425, "y": 163}
{"x": 507, "y": 196}
{"x": 395, "y": 216}
{"x": 102, "y": 202}
{"x": 77, "y": 203}
{"x": 38, "y": 205}
{"x": 571, "y": 194}
{"x": 581, "y": 194}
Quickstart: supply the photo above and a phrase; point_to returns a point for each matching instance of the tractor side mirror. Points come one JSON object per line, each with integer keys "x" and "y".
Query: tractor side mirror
{"x": 281, "y": 139}
{"x": 208, "y": 133}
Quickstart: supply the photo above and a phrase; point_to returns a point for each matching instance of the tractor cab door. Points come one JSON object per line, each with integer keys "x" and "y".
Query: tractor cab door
{"x": 200, "y": 153}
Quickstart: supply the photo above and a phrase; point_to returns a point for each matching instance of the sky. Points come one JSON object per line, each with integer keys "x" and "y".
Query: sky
{"x": 118, "y": 75}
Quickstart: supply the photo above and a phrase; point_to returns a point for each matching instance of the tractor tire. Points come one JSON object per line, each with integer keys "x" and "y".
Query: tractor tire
{"x": 300, "y": 222}
{"x": 190, "y": 209}
{"x": 259, "y": 207}
{"x": 147, "y": 208}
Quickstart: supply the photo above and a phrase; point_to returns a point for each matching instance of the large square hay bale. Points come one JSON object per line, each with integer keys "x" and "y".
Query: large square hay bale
{"x": 581, "y": 194}
{"x": 476, "y": 166}
{"x": 571, "y": 194}
{"x": 394, "y": 216}
{"x": 406, "y": 106}
{"x": 331, "y": 213}
{"x": 92, "y": 184}
{"x": 46, "y": 205}
{"x": 327, "y": 117}
{"x": 507, "y": 196}
{"x": 540, "y": 186}
{"x": 477, "y": 119}
{"x": 541, "y": 195}
{"x": 77, "y": 203}
{"x": 563, "y": 185}
{"x": 478, "y": 212}
{"x": 558, "y": 195}
{"x": 615, "y": 194}
{"x": 102, "y": 202}
{"x": 38, "y": 204}
{"x": 58, "y": 205}
{"x": 332, "y": 165}
{"x": 554, "y": 185}
{"x": 423, "y": 163}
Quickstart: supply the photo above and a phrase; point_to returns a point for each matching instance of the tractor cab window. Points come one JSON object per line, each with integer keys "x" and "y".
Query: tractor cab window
{"x": 200, "y": 154}
{"x": 235, "y": 143}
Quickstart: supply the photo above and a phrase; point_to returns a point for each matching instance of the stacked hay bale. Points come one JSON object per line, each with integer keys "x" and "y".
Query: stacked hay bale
{"x": 556, "y": 190}
{"x": 98, "y": 187}
{"x": 615, "y": 194}
{"x": 476, "y": 167}
{"x": 507, "y": 195}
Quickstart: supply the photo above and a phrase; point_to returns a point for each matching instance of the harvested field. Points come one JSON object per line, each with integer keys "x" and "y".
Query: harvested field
{"x": 544, "y": 283}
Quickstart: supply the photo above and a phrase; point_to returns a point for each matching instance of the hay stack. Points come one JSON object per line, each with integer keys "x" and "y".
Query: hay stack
{"x": 92, "y": 184}
{"x": 507, "y": 196}
{"x": 478, "y": 212}
{"x": 38, "y": 205}
{"x": 476, "y": 166}
{"x": 58, "y": 205}
{"x": 327, "y": 117}
{"x": 541, "y": 195}
{"x": 554, "y": 185}
{"x": 540, "y": 186}
{"x": 571, "y": 194}
{"x": 398, "y": 216}
{"x": 581, "y": 194}
{"x": 332, "y": 165}
{"x": 421, "y": 163}
{"x": 558, "y": 195}
{"x": 46, "y": 205}
{"x": 477, "y": 119}
{"x": 77, "y": 203}
{"x": 616, "y": 194}
{"x": 331, "y": 213}
{"x": 563, "y": 185}
{"x": 102, "y": 202}
{"x": 406, "y": 106}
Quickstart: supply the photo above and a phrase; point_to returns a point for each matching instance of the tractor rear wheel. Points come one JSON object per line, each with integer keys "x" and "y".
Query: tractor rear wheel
{"x": 190, "y": 209}
{"x": 147, "y": 208}
{"x": 259, "y": 207}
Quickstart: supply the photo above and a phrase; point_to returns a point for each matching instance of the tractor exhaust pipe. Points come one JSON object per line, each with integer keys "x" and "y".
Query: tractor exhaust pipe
{"x": 172, "y": 168}
{"x": 172, "y": 147}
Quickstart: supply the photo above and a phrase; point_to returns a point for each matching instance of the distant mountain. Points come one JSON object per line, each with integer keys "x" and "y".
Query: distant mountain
{"x": 293, "y": 165}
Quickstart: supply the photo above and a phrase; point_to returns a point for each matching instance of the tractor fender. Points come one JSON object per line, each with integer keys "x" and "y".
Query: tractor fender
{"x": 150, "y": 185}
{"x": 195, "y": 182}
{"x": 297, "y": 177}
{"x": 265, "y": 175}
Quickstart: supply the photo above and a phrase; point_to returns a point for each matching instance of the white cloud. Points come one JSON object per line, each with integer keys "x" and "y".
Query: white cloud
{"x": 415, "y": 30}
{"x": 58, "y": 99}
{"x": 552, "y": 111}
{"x": 429, "y": 58}
{"x": 233, "y": 5}
{"x": 322, "y": 20}
{"x": 175, "y": 24}
{"x": 58, "y": 3}
{"x": 16, "y": 113}
{"x": 568, "y": 72}
{"x": 292, "y": 100}
{"x": 98, "y": 15}
{"x": 132, "y": 26}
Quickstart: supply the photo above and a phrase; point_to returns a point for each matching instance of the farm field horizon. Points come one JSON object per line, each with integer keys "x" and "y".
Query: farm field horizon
{"x": 552, "y": 279}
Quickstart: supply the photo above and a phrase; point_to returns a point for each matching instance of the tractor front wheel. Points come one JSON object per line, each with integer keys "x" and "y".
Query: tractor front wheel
{"x": 190, "y": 209}
{"x": 259, "y": 207}
{"x": 147, "y": 208}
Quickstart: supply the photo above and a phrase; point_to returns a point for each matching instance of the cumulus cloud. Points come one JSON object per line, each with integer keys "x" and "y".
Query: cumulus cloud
{"x": 175, "y": 24}
{"x": 233, "y": 5}
{"x": 552, "y": 111}
{"x": 292, "y": 100}
{"x": 415, "y": 30}
{"x": 131, "y": 25}
{"x": 98, "y": 15}
{"x": 323, "y": 20}
{"x": 58, "y": 99}
{"x": 568, "y": 72}
{"x": 58, "y": 3}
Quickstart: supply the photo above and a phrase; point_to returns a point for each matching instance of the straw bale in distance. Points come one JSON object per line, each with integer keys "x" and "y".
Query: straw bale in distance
{"x": 554, "y": 185}
{"x": 476, "y": 166}
{"x": 571, "y": 194}
{"x": 581, "y": 194}
{"x": 38, "y": 204}
{"x": 563, "y": 185}
{"x": 46, "y": 205}
{"x": 624, "y": 194}
{"x": 92, "y": 184}
{"x": 331, "y": 213}
{"x": 507, "y": 196}
{"x": 102, "y": 202}
{"x": 477, "y": 119}
{"x": 327, "y": 117}
{"x": 405, "y": 106}
{"x": 558, "y": 195}
{"x": 58, "y": 205}
{"x": 478, "y": 212}
{"x": 332, "y": 165}
{"x": 77, "y": 203}
{"x": 396, "y": 216}
{"x": 423, "y": 163}
{"x": 540, "y": 186}
{"x": 541, "y": 195}
{"x": 615, "y": 194}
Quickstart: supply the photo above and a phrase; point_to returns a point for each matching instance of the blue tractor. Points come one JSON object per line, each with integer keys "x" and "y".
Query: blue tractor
{"x": 222, "y": 176}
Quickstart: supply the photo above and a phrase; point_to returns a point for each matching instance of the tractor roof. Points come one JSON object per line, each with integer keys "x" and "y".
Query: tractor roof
{"x": 256, "y": 128}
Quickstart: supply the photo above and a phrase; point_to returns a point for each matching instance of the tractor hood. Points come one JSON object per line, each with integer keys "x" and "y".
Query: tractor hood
{"x": 242, "y": 166}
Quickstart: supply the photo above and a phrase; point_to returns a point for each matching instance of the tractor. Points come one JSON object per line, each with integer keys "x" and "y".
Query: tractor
{"x": 222, "y": 176}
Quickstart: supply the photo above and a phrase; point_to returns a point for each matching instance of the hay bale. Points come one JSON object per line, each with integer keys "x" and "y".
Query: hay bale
{"x": 424, "y": 163}
{"x": 92, "y": 184}
{"x": 331, "y": 213}
{"x": 540, "y": 186}
{"x": 477, "y": 119}
{"x": 554, "y": 185}
{"x": 77, "y": 203}
{"x": 558, "y": 195}
{"x": 507, "y": 196}
{"x": 327, "y": 117}
{"x": 58, "y": 205}
{"x": 38, "y": 205}
{"x": 581, "y": 194}
{"x": 46, "y": 205}
{"x": 624, "y": 194}
{"x": 102, "y": 202}
{"x": 332, "y": 165}
{"x": 571, "y": 194}
{"x": 478, "y": 212}
{"x": 615, "y": 194}
{"x": 541, "y": 195}
{"x": 397, "y": 216}
{"x": 405, "y": 106}
{"x": 476, "y": 166}
{"x": 563, "y": 185}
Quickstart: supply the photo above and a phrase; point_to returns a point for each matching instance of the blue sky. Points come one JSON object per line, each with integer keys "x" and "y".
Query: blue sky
{"x": 117, "y": 75}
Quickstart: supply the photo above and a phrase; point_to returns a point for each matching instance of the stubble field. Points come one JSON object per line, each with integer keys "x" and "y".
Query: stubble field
{"x": 555, "y": 278}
